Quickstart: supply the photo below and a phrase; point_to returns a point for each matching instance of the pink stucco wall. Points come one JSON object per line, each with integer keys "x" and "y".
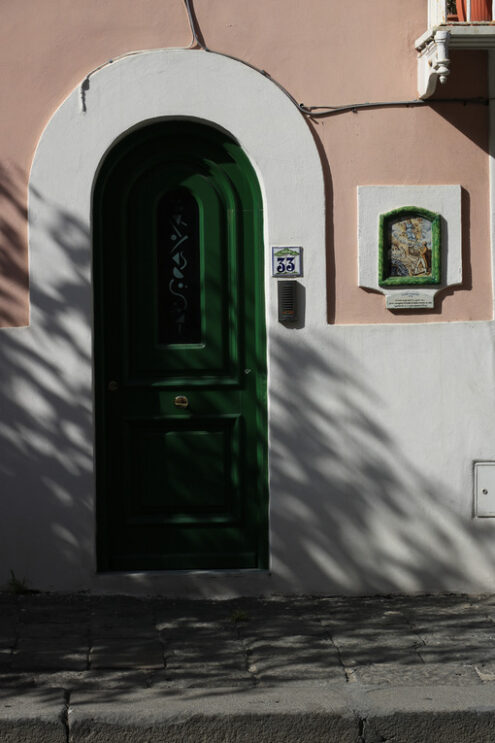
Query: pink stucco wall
{"x": 325, "y": 52}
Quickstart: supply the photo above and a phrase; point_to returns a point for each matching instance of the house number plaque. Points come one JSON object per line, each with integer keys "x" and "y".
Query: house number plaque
{"x": 286, "y": 262}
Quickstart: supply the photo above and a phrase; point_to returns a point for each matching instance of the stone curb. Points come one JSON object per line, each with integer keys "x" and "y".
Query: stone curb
{"x": 290, "y": 713}
{"x": 214, "y": 715}
{"x": 33, "y": 717}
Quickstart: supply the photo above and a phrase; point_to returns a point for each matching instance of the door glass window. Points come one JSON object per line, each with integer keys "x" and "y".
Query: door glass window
{"x": 178, "y": 269}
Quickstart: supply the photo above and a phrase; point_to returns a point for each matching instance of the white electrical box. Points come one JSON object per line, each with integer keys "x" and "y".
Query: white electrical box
{"x": 484, "y": 489}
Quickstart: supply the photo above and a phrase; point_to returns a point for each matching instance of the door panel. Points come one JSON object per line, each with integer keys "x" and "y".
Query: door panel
{"x": 165, "y": 488}
{"x": 179, "y": 313}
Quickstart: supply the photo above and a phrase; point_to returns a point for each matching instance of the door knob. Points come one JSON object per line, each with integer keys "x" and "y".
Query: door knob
{"x": 181, "y": 401}
{"x": 113, "y": 386}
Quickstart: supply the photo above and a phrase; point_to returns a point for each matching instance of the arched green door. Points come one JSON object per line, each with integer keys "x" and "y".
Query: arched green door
{"x": 180, "y": 353}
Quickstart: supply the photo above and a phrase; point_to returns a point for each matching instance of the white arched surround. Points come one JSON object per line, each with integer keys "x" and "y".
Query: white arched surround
{"x": 118, "y": 97}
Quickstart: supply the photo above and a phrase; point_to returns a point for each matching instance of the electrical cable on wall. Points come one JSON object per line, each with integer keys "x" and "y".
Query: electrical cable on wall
{"x": 320, "y": 112}
{"x": 195, "y": 30}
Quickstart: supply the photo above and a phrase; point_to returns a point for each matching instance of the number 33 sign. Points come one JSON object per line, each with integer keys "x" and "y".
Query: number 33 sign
{"x": 286, "y": 262}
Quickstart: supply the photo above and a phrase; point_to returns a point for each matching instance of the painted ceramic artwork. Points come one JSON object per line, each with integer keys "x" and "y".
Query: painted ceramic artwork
{"x": 409, "y": 253}
{"x": 409, "y": 247}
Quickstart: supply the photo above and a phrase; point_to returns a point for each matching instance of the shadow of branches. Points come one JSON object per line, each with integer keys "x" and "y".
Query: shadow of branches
{"x": 13, "y": 253}
{"x": 351, "y": 510}
{"x": 45, "y": 425}
{"x": 355, "y": 511}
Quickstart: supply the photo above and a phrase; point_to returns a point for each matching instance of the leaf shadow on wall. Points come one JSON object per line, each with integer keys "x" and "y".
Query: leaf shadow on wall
{"x": 45, "y": 427}
{"x": 14, "y": 280}
{"x": 351, "y": 510}
{"x": 354, "y": 511}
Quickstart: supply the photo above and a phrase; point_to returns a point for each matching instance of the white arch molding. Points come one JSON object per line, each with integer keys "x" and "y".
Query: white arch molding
{"x": 120, "y": 96}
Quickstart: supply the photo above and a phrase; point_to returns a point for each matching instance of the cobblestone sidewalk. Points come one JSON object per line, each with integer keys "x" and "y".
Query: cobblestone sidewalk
{"x": 107, "y": 649}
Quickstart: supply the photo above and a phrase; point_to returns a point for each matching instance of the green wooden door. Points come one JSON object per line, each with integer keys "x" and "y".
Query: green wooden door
{"x": 180, "y": 357}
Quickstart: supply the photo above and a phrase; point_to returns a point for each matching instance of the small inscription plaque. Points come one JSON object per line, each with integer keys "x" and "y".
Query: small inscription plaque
{"x": 410, "y": 301}
{"x": 287, "y": 262}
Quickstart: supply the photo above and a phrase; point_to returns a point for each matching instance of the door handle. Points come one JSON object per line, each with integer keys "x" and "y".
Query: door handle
{"x": 113, "y": 386}
{"x": 181, "y": 401}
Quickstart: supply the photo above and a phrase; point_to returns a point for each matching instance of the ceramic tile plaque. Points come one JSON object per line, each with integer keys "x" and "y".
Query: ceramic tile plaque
{"x": 409, "y": 247}
{"x": 287, "y": 262}
{"x": 410, "y": 243}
